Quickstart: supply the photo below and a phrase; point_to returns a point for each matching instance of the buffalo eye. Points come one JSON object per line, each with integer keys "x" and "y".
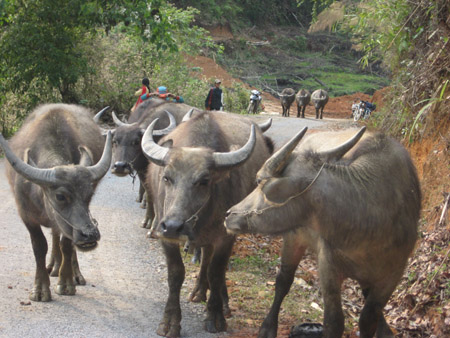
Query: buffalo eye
{"x": 166, "y": 179}
{"x": 258, "y": 181}
{"x": 135, "y": 143}
{"x": 203, "y": 182}
{"x": 60, "y": 197}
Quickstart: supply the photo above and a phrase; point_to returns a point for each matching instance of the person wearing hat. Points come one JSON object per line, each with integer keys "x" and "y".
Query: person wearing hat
{"x": 214, "y": 100}
{"x": 144, "y": 90}
{"x": 161, "y": 92}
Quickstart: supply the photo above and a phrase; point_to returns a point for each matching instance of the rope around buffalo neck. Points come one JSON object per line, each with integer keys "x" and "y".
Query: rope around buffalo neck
{"x": 278, "y": 205}
{"x": 56, "y": 211}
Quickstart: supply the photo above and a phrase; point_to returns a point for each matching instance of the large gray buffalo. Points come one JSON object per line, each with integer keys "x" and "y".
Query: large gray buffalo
{"x": 197, "y": 172}
{"x": 319, "y": 98}
{"x": 287, "y": 97}
{"x": 56, "y": 160}
{"x": 355, "y": 202}
{"x": 302, "y": 98}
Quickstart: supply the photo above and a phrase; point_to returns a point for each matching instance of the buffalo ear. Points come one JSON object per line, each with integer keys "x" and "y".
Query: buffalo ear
{"x": 167, "y": 144}
{"x": 86, "y": 157}
{"x": 27, "y": 158}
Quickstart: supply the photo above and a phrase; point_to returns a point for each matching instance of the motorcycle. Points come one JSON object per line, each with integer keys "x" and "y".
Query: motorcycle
{"x": 255, "y": 100}
{"x": 362, "y": 110}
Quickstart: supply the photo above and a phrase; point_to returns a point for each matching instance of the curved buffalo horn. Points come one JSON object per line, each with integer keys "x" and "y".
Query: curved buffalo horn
{"x": 101, "y": 168}
{"x": 278, "y": 160}
{"x": 188, "y": 115}
{"x": 118, "y": 122}
{"x": 338, "y": 152}
{"x": 153, "y": 151}
{"x": 35, "y": 175}
{"x": 266, "y": 125}
{"x": 233, "y": 158}
{"x": 172, "y": 125}
{"x": 99, "y": 114}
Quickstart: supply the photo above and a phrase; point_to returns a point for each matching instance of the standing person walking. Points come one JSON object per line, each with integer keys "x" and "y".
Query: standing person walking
{"x": 145, "y": 89}
{"x": 214, "y": 100}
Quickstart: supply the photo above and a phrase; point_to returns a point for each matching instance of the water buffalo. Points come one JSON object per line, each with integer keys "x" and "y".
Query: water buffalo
{"x": 287, "y": 97}
{"x": 357, "y": 204}
{"x": 197, "y": 172}
{"x": 127, "y": 153}
{"x": 303, "y": 97}
{"x": 53, "y": 175}
{"x": 320, "y": 98}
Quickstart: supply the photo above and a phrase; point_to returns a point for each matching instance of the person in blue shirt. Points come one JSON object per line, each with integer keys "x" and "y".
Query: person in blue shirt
{"x": 161, "y": 92}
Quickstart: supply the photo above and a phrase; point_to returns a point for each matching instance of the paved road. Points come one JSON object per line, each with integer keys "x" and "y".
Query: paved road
{"x": 126, "y": 275}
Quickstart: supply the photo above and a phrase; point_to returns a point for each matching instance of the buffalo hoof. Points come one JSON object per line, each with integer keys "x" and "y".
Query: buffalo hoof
{"x": 54, "y": 270}
{"x": 40, "y": 294}
{"x": 168, "y": 330}
{"x": 198, "y": 295}
{"x": 215, "y": 323}
{"x": 79, "y": 279}
{"x": 65, "y": 289}
{"x": 268, "y": 328}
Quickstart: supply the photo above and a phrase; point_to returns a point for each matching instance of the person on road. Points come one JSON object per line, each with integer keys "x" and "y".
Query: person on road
{"x": 161, "y": 92}
{"x": 214, "y": 100}
{"x": 144, "y": 90}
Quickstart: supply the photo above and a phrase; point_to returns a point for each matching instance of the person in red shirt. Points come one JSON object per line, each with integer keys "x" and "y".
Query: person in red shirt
{"x": 145, "y": 89}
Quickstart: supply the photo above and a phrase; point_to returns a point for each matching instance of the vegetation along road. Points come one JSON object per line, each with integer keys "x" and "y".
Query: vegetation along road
{"x": 126, "y": 275}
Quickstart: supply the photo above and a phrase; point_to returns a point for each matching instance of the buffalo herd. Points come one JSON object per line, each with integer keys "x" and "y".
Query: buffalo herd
{"x": 319, "y": 99}
{"x": 353, "y": 197}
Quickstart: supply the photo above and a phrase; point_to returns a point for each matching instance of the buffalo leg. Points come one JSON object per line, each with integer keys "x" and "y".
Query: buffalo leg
{"x": 170, "y": 323}
{"x": 66, "y": 285}
{"x": 215, "y": 319}
{"x": 291, "y": 255}
{"x": 149, "y": 216}
{"x": 55, "y": 257}
{"x": 321, "y": 113}
{"x": 330, "y": 283}
{"x": 372, "y": 318}
{"x": 79, "y": 279}
{"x": 41, "y": 290}
{"x": 303, "y": 111}
{"x": 201, "y": 285}
{"x": 299, "y": 108}
{"x": 317, "y": 113}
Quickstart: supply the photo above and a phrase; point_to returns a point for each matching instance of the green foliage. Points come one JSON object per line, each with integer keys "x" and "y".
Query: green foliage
{"x": 59, "y": 52}
{"x": 250, "y": 12}
{"x": 381, "y": 27}
{"x": 430, "y": 103}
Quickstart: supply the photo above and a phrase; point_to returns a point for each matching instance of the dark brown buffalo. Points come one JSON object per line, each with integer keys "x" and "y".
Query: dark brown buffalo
{"x": 197, "y": 172}
{"x": 357, "y": 204}
{"x": 53, "y": 176}
{"x": 127, "y": 153}
{"x": 302, "y": 98}
{"x": 319, "y": 98}
{"x": 287, "y": 97}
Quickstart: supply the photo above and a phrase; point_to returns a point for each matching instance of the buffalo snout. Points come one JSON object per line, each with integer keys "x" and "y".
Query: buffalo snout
{"x": 121, "y": 168}
{"x": 86, "y": 239}
{"x": 172, "y": 228}
{"x": 235, "y": 223}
